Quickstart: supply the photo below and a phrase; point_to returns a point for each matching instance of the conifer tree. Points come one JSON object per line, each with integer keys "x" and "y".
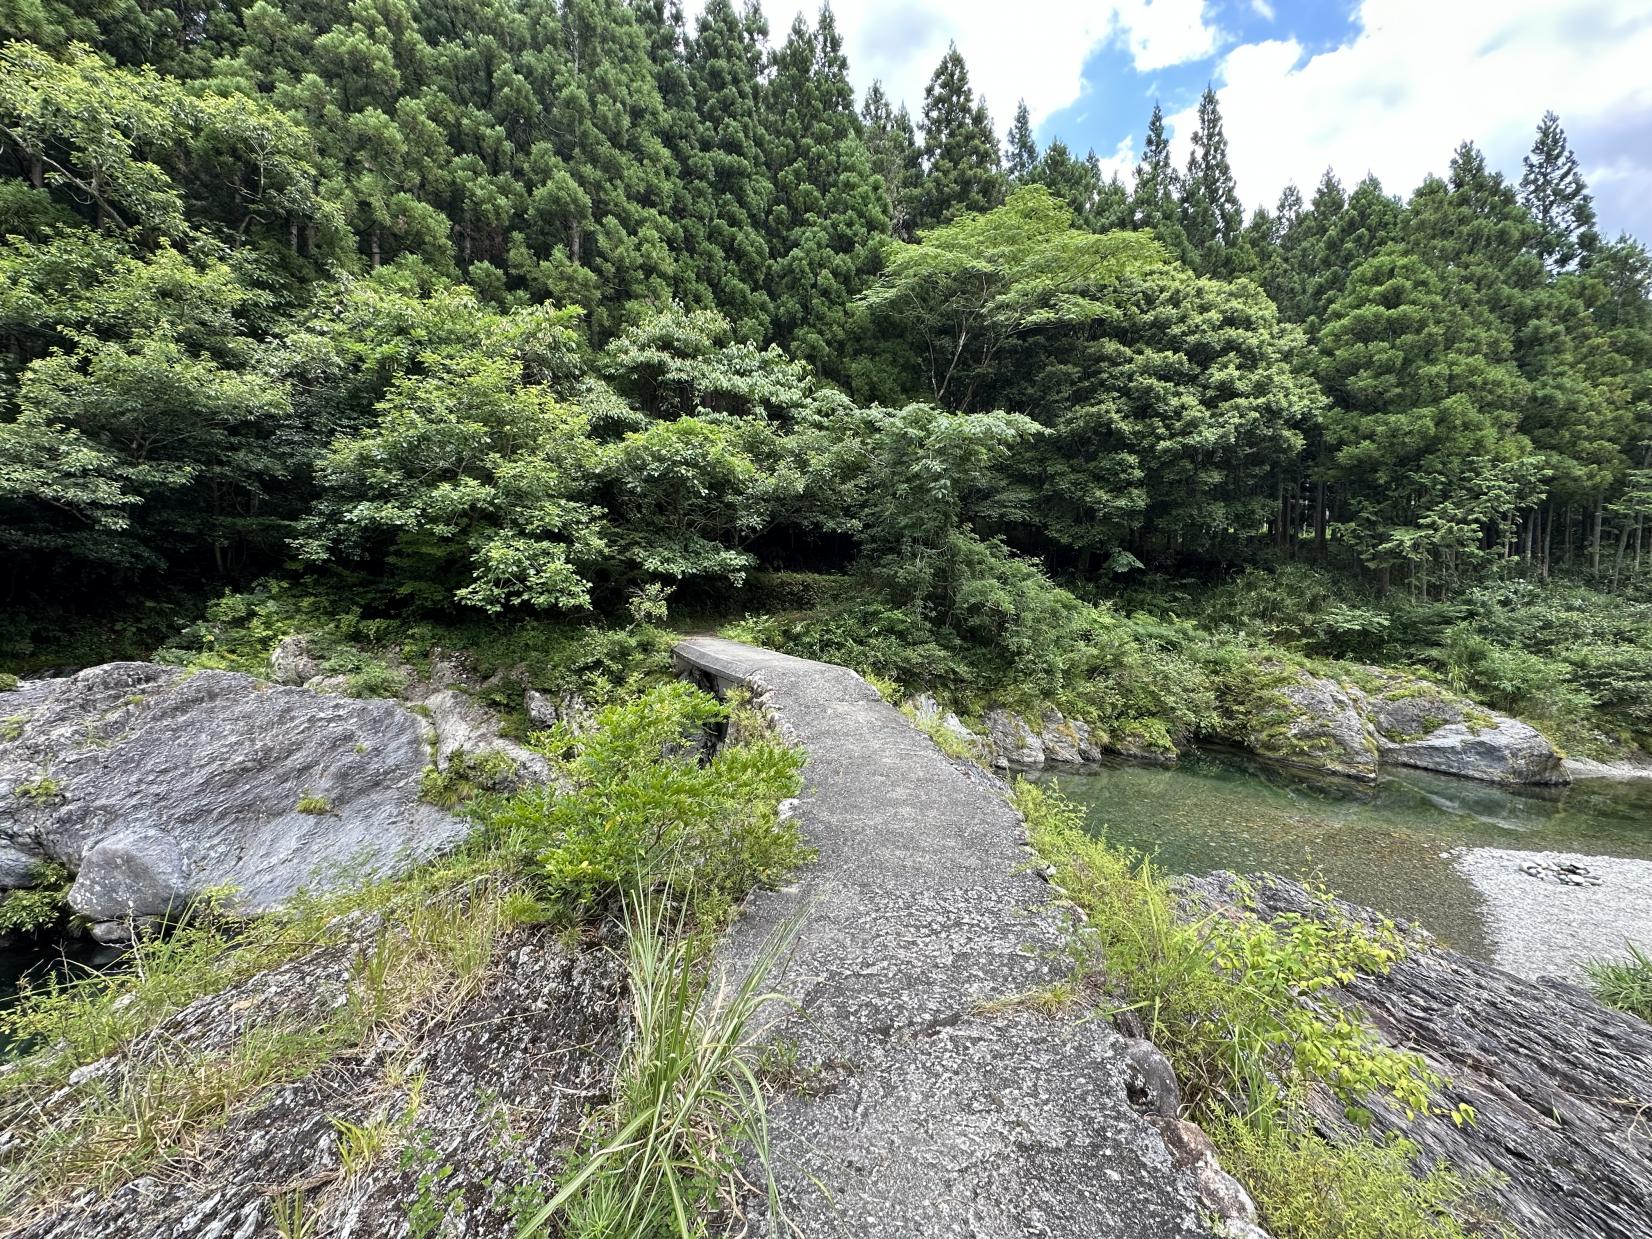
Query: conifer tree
{"x": 727, "y": 166}
{"x": 1552, "y": 189}
{"x": 960, "y": 150}
{"x": 1020, "y": 151}
{"x": 1209, "y": 201}
{"x": 1153, "y": 200}
{"x": 892, "y": 144}
{"x": 828, "y": 217}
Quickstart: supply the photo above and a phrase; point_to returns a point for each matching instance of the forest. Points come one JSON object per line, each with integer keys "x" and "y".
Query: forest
{"x": 570, "y": 310}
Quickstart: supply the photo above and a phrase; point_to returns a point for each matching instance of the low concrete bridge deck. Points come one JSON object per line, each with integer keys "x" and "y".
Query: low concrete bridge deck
{"x": 921, "y": 1111}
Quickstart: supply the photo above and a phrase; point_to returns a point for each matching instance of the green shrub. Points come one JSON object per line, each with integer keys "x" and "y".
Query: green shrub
{"x": 636, "y": 798}
{"x": 38, "y": 905}
{"x": 1307, "y": 1188}
{"x": 8, "y": 682}
{"x": 1625, "y": 984}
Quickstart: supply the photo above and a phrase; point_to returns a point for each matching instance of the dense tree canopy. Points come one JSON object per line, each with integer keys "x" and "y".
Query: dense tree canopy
{"x": 531, "y": 304}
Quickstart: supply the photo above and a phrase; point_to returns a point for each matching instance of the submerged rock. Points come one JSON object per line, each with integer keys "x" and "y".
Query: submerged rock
{"x": 155, "y": 786}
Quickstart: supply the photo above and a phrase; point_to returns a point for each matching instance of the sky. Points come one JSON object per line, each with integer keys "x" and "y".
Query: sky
{"x": 1388, "y": 87}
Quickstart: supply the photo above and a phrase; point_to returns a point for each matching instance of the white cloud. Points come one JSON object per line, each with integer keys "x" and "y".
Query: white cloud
{"x": 1034, "y": 49}
{"x": 1421, "y": 77}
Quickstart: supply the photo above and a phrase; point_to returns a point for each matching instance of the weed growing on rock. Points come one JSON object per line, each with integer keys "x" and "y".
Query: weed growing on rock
{"x": 686, "y": 1095}
{"x": 41, "y": 791}
{"x": 316, "y": 806}
{"x": 1243, "y": 1009}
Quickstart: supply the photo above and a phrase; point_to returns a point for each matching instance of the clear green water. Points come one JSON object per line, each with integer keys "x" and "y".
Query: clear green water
{"x": 1377, "y": 845}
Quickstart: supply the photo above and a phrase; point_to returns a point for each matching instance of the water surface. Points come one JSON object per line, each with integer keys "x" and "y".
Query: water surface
{"x": 1399, "y": 846}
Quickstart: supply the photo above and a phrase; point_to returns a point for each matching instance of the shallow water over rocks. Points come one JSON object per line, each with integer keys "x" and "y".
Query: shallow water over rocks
{"x": 1445, "y": 853}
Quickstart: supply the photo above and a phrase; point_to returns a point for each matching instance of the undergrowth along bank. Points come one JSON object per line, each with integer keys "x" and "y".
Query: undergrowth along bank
{"x": 1245, "y": 1011}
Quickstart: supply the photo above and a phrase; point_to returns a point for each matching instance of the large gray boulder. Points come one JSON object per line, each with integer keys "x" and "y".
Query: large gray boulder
{"x": 155, "y": 786}
{"x": 1308, "y": 720}
{"x": 1422, "y": 725}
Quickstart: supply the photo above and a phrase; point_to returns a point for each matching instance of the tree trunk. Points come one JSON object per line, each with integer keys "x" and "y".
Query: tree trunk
{"x": 1594, "y": 541}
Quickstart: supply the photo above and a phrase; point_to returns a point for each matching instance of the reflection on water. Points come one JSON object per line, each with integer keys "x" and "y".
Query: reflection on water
{"x": 1379, "y": 845}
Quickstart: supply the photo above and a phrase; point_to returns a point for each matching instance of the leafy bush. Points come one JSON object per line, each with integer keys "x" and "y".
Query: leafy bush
{"x": 638, "y": 804}
{"x": 39, "y": 905}
{"x": 1308, "y": 1188}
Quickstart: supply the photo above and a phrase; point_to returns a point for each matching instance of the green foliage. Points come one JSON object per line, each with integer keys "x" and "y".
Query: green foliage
{"x": 439, "y": 928}
{"x": 469, "y": 488}
{"x": 1307, "y": 1188}
{"x": 8, "y": 682}
{"x": 464, "y": 778}
{"x": 39, "y": 905}
{"x": 41, "y": 791}
{"x": 972, "y": 286}
{"x": 960, "y": 149}
{"x": 1625, "y": 984}
{"x": 1246, "y": 1009}
{"x": 316, "y": 806}
{"x": 637, "y": 803}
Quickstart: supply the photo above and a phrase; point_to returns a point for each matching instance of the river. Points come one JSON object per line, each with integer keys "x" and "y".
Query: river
{"x": 1445, "y": 853}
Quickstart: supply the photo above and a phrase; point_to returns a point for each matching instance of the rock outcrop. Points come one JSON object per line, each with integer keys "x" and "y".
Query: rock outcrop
{"x": 1560, "y": 1084}
{"x": 155, "y": 786}
{"x": 1012, "y": 741}
{"x": 1422, "y": 725}
{"x": 478, "y": 1105}
{"x": 1303, "y": 719}
{"x": 1354, "y": 724}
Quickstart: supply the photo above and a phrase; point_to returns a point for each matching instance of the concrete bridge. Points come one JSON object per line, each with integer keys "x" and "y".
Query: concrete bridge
{"x": 927, "y": 1104}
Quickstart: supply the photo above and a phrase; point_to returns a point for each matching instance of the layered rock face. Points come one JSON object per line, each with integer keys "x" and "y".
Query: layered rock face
{"x": 155, "y": 786}
{"x": 485, "y": 1100}
{"x": 1560, "y": 1083}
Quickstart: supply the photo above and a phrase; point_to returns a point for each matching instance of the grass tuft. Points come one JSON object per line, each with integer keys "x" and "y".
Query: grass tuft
{"x": 1625, "y": 984}
{"x": 688, "y": 1097}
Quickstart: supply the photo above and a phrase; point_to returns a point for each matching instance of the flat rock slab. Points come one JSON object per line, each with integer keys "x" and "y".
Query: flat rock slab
{"x": 925, "y": 1104}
